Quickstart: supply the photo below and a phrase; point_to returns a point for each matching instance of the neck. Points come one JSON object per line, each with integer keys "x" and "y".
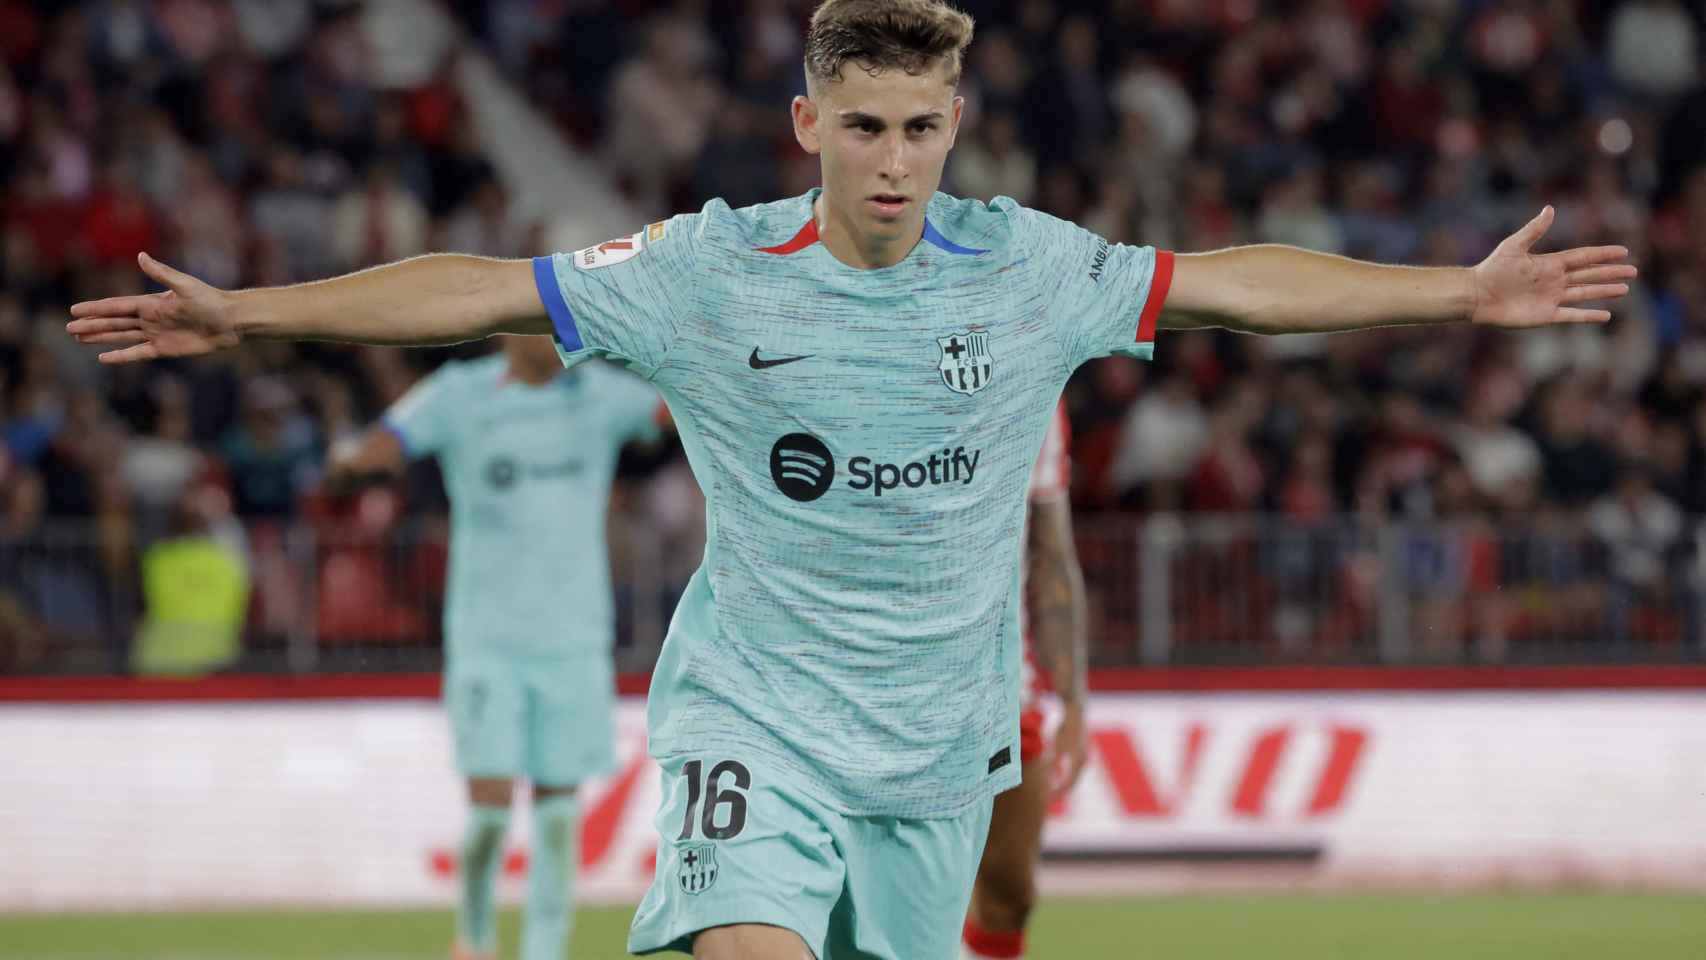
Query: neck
{"x": 837, "y": 235}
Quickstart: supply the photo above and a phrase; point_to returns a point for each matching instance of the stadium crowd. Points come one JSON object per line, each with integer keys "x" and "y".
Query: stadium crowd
{"x": 246, "y": 142}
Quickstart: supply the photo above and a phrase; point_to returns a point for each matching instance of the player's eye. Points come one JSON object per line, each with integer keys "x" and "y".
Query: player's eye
{"x": 865, "y": 126}
{"x": 920, "y": 129}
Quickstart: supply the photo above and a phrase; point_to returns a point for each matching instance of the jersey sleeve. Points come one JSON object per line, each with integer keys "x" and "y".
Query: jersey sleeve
{"x": 624, "y": 298}
{"x": 1051, "y": 476}
{"x": 1104, "y": 298}
{"x": 424, "y": 419}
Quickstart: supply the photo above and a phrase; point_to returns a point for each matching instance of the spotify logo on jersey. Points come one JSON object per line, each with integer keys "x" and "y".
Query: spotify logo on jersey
{"x": 802, "y": 467}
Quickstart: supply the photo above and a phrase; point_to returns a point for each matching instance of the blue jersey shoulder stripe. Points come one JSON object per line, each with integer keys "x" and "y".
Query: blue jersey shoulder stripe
{"x": 931, "y": 234}
{"x": 562, "y": 318}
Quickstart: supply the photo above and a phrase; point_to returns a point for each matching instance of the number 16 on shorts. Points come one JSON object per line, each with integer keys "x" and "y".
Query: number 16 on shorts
{"x": 722, "y": 816}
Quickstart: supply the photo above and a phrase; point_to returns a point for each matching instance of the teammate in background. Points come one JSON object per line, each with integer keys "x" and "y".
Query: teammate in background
{"x": 527, "y": 451}
{"x": 1056, "y": 654}
{"x": 862, "y": 377}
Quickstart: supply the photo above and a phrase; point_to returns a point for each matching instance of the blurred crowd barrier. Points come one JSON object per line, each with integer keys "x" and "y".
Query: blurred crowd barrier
{"x": 348, "y": 592}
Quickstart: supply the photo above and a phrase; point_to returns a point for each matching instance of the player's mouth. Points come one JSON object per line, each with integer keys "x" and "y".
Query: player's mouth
{"x": 887, "y": 205}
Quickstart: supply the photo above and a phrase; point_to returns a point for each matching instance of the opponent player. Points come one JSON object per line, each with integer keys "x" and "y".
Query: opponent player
{"x": 527, "y": 451}
{"x": 861, "y": 377}
{"x": 1055, "y": 658}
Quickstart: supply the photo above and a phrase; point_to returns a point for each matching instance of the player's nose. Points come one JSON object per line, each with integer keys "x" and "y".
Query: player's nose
{"x": 894, "y": 159}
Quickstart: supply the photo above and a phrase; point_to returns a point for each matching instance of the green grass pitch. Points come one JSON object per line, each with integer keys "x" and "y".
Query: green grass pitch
{"x": 1495, "y": 927}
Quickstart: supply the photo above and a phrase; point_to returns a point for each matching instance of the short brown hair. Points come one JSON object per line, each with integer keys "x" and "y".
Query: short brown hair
{"x": 882, "y": 34}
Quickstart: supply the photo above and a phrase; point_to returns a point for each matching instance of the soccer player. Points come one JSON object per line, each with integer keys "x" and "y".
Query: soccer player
{"x": 527, "y": 451}
{"x": 1055, "y": 658}
{"x": 861, "y": 377}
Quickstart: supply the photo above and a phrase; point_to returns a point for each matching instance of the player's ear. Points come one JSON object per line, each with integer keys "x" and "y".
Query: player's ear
{"x": 805, "y": 124}
{"x": 954, "y": 124}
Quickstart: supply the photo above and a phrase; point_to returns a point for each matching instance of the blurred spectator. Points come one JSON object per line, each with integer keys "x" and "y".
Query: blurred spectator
{"x": 1577, "y": 465}
{"x": 993, "y": 163}
{"x": 271, "y": 453}
{"x": 1653, "y": 47}
{"x": 378, "y": 222}
{"x": 292, "y": 217}
{"x": 207, "y": 220}
{"x": 119, "y": 222}
{"x": 1228, "y": 477}
{"x": 485, "y": 226}
{"x": 1067, "y": 102}
{"x": 661, "y": 107}
{"x": 1643, "y": 531}
{"x": 24, "y": 641}
{"x": 1496, "y": 456}
{"x": 1163, "y": 435}
{"x": 159, "y": 465}
{"x": 195, "y": 591}
{"x": 273, "y": 27}
{"x": 1405, "y": 453}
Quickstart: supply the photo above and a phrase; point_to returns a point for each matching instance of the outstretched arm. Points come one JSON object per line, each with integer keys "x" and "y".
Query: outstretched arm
{"x": 435, "y": 299}
{"x": 1278, "y": 289}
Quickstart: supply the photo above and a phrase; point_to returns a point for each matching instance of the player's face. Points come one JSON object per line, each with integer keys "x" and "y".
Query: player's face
{"x": 883, "y": 141}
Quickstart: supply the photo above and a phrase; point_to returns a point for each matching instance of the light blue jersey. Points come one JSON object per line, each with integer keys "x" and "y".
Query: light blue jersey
{"x": 864, "y": 439}
{"x": 528, "y": 471}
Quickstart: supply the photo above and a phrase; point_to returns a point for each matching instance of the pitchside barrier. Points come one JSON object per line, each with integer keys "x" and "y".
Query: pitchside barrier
{"x": 127, "y": 794}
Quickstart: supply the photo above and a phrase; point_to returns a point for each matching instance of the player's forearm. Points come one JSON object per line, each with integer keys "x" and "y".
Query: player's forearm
{"x": 435, "y": 299}
{"x": 1278, "y": 289}
{"x": 1059, "y": 610}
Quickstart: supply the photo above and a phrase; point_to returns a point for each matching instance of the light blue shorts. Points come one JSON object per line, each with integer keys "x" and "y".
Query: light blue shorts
{"x": 548, "y": 720}
{"x": 739, "y": 845}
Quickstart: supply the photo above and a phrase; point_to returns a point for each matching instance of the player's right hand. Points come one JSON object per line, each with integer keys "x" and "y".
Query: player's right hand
{"x": 189, "y": 319}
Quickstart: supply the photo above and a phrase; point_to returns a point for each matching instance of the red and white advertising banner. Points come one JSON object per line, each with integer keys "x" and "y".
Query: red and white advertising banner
{"x": 345, "y": 802}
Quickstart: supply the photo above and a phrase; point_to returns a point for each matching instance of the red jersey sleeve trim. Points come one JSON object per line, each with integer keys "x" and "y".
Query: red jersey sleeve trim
{"x": 1157, "y": 296}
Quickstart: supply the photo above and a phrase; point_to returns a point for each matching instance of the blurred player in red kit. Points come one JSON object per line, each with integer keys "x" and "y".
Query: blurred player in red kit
{"x": 1055, "y": 653}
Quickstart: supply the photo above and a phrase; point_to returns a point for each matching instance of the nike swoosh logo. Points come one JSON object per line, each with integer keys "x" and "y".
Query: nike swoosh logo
{"x": 757, "y": 364}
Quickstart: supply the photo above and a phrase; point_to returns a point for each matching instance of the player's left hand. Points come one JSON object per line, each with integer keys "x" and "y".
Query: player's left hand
{"x": 1515, "y": 287}
{"x": 1069, "y": 751}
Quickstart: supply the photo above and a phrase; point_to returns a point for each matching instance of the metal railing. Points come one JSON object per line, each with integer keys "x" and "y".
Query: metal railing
{"x": 1168, "y": 589}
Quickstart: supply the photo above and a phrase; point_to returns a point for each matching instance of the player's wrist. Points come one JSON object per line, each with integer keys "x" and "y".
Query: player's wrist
{"x": 242, "y": 316}
{"x": 1468, "y": 294}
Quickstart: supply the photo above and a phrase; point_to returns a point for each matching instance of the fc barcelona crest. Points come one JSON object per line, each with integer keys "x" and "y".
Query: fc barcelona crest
{"x": 698, "y": 869}
{"x": 966, "y": 364}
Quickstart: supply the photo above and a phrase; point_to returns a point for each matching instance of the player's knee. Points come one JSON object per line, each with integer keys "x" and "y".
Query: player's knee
{"x": 750, "y": 941}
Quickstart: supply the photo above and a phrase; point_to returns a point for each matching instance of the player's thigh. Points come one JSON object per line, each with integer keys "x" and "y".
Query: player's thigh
{"x": 569, "y": 730}
{"x": 1015, "y": 840}
{"x": 486, "y": 706}
{"x": 738, "y": 846}
{"x": 908, "y": 885}
{"x": 750, "y": 941}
